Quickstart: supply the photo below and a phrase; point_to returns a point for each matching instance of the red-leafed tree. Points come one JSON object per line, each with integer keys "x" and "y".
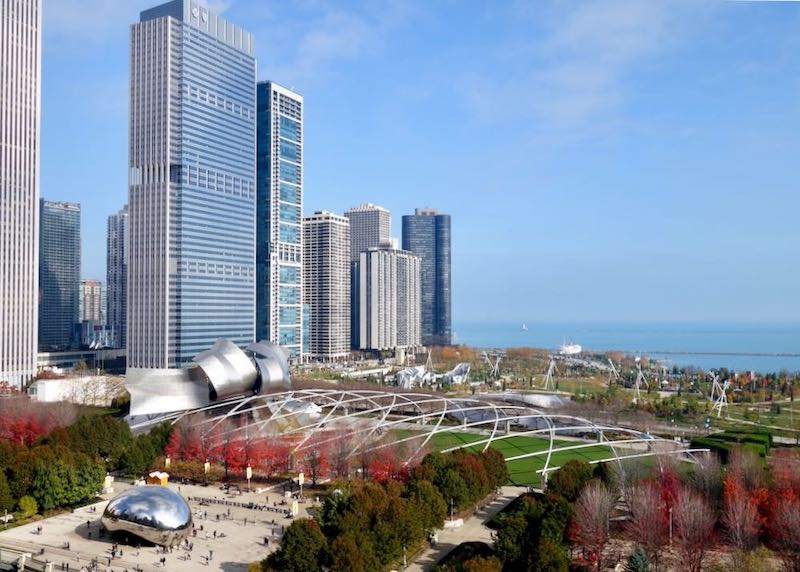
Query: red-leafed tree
{"x": 695, "y": 526}
{"x": 313, "y": 458}
{"x": 592, "y": 513}
{"x": 649, "y": 521}
{"x": 740, "y": 514}
{"x": 785, "y": 533}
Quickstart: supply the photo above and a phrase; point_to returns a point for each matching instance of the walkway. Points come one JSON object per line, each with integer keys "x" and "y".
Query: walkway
{"x": 473, "y": 530}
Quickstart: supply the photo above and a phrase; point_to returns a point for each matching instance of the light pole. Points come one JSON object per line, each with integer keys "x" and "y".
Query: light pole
{"x": 670, "y": 525}
{"x": 405, "y": 563}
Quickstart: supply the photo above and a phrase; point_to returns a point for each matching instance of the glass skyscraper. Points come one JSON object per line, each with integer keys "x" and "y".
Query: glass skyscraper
{"x": 192, "y": 193}
{"x": 117, "y": 275}
{"x": 59, "y": 274}
{"x": 279, "y": 236}
{"x": 20, "y": 94}
{"x": 426, "y": 233}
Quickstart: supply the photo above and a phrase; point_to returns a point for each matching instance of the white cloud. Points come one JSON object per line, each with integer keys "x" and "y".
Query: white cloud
{"x": 576, "y": 73}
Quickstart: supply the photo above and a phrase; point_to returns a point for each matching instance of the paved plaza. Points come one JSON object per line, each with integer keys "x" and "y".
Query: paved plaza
{"x": 226, "y": 537}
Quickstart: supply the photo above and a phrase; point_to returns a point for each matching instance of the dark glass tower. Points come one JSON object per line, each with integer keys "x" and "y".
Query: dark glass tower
{"x": 59, "y": 274}
{"x": 426, "y": 233}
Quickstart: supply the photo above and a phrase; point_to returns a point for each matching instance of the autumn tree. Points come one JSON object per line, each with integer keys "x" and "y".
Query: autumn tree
{"x": 569, "y": 479}
{"x": 785, "y": 532}
{"x": 740, "y": 515}
{"x": 695, "y": 526}
{"x": 647, "y": 523}
{"x": 592, "y": 513}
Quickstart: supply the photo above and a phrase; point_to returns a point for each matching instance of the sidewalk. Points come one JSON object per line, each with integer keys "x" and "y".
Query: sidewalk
{"x": 473, "y": 530}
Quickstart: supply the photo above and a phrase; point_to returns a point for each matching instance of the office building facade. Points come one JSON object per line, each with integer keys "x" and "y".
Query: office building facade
{"x": 388, "y": 283}
{"x": 20, "y": 94}
{"x": 370, "y": 227}
{"x": 191, "y": 258}
{"x": 117, "y": 276}
{"x": 59, "y": 274}
{"x": 279, "y": 235}
{"x": 91, "y": 301}
{"x": 426, "y": 233}
{"x": 326, "y": 285}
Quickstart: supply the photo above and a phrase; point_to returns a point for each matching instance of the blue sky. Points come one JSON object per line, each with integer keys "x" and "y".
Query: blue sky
{"x": 627, "y": 160}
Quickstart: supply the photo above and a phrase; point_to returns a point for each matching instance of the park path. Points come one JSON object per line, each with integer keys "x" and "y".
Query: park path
{"x": 473, "y": 530}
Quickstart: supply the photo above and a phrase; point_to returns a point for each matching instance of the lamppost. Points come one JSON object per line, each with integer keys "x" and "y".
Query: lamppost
{"x": 405, "y": 563}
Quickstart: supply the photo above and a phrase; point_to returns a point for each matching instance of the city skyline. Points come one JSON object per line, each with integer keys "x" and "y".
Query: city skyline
{"x": 637, "y": 155}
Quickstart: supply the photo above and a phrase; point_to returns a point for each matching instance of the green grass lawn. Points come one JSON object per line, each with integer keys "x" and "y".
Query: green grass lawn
{"x": 522, "y": 471}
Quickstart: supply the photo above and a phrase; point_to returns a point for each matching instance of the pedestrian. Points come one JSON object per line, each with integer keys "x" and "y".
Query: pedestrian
{"x": 211, "y": 555}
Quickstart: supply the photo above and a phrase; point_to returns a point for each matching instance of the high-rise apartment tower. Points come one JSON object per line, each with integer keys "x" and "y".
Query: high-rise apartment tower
{"x": 326, "y": 284}
{"x": 91, "y": 301}
{"x": 388, "y": 286}
{"x": 20, "y": 97}
{"x": 192, "y": 192}
{"x": 117, "y": 275}
{"x": 426, "y": 233}
{"x": 279, "y": 235}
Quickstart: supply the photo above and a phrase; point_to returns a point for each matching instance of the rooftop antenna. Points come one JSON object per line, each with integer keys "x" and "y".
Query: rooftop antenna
{"x": 640, "y": 378}
{"x": 548, "y": 377}
{"x": 719, "y": 393}
{"x": 613, "y": 375}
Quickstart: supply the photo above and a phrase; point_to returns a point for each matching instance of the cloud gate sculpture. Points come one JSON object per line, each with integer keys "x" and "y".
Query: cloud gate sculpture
{"x": 152, "y": 513}
{"x": 220, "y": 373}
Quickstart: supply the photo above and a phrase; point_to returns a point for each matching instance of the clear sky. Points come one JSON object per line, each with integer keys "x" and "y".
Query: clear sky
{"x": 626, "y": 160}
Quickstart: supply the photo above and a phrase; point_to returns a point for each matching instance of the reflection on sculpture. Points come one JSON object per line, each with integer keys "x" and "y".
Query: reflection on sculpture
{"x": 221, "y": 372}
{"x": 152, "y": 513}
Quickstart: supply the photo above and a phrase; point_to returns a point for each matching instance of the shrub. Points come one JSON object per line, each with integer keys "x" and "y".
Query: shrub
{"x": 27, "y": 507}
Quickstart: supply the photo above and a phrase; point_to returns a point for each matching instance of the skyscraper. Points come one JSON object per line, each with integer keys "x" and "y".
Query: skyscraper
{"x": 279, "y": 236}
{"x": 326, "y": 284}
{"x": 426, "y": 233}
{"x": 191, "y": 260}
{"x": 91, "y": 301}
{"x": 59, "y": 274}
{"x": 117, "y": 275}
{"x": 20, "y": 89}
{"x": 370, "y": 227}
{"x": 388, "y": 283}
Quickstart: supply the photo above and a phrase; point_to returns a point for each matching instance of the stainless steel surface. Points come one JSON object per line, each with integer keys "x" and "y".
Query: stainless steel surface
{"x": 228, "y": 369}
{"x": 153, "y": 513}
{"x": 273, "y": 366}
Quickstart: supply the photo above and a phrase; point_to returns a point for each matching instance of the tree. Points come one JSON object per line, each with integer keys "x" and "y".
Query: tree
{"x": 550, "y": 557}
{"x": 569, "y": 480}
{"x": 637, "y": 562}
{"x": 707, "y": 477}
{"x": 303, "y": 549}
{"x": 353, "y": 553}
{"x": 6, "y": 500}
{"x": 785, "y": 534}
{"x": 480, "y": 564}
{"x": 647, "y": 523}
{"x": 27, "y": 507}
{"x": 695, "y": 525}
{"x": 592, "y": 513}
{"x": 511, "y": 539}
{"x": 428, "y": 503}
{"x": 740, "y": 515}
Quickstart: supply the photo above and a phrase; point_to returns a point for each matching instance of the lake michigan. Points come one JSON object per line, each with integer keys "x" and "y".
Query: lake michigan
{"x": 650, "y": 339}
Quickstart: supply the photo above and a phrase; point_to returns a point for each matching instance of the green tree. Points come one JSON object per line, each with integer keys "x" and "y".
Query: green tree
{"x": 569, "y": 480}
{"x": 428, "y": 503}
{"x": 27, "y": 507}
{"x": 353, "y": 553}
{"x": 496, "y": 468}
{"x": 303, "y": 549}
{"x": 453, "y": 488}
{"x": 549, "y": 557}
{"x": 511, "y": 540}
{"x": 6, "y": 500}
{"x": 637, "y": 562}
